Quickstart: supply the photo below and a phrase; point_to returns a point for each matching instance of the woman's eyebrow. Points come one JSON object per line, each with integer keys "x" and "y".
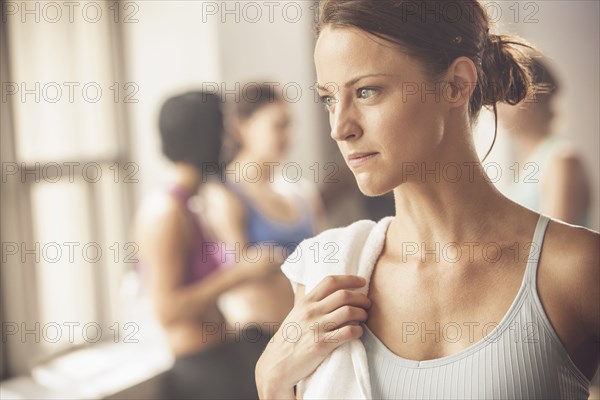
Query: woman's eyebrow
{"x": 351, "y": 82}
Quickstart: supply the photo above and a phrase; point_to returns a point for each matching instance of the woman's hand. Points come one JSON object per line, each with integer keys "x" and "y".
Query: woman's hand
{"x": 320, "y": 322}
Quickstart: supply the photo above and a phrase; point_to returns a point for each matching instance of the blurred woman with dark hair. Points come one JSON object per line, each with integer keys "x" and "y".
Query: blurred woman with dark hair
{"x": 552, "y": 177}
{"x": 182, "y": 264}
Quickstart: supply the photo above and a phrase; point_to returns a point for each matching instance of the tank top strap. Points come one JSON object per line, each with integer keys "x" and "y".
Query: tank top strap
{"x": 535, "y": 251}
{"x": 183, "y": 195}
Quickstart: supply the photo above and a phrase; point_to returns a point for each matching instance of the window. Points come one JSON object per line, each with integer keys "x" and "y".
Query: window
{"x": 67, "y": 190}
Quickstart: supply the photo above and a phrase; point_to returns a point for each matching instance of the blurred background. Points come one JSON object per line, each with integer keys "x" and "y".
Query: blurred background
{"x": 82, "y": 84}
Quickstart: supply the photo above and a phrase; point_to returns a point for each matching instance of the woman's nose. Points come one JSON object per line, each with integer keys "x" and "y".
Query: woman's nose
{"x": 344, "y": 123}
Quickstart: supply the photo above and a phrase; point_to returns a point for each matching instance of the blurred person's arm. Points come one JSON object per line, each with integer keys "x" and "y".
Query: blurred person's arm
{"x": 565, "y": 191}
{"x": 165, "y": 245}
{"x": 227, "y": 214}
{"x": 313, "y": 196}
{"x": 227, "y": 219}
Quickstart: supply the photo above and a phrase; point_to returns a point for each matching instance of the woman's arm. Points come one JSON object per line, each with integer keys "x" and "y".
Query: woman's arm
{"x": 316, "y": 203}
{"x": 227, "y": 217}
{"x": 328, "y": 317}
{"x": 568, "y": 288}
{"x": 586, "y": 273}
{"x": 164, "y": 243}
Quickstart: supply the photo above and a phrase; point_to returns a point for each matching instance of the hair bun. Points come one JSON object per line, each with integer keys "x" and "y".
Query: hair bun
{"x": 507, "y": 77}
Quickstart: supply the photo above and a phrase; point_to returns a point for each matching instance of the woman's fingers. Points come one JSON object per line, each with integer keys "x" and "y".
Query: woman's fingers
{"x": 342, "y": 298}
{"x": 343, "y": 316}
{"x": 349, "y": 332}
{"x": 320, "y": 322}
{"x": 333, "y": 339}
{"x": 333, "y": 283}
{"x": 339, "y": 305}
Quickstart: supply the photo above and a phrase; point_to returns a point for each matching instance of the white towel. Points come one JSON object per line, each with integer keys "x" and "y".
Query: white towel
{"x": 352, "y": 250}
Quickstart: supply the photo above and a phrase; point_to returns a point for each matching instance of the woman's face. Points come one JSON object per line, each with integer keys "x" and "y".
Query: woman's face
{"x": 265, "y": 135}
{"x": 380, "y": 105}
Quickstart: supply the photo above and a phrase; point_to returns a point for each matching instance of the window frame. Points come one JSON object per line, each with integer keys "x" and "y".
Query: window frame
{"x": 19, "y": 303}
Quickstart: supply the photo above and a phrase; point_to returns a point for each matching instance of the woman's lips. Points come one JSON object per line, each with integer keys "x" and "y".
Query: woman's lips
{"x": 359, "y": 159}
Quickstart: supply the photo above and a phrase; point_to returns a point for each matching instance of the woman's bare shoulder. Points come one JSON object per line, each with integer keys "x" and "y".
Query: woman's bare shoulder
{"x": 158, "y": 220}
{"x": 156, "y": 208}
{"x": 571, "y": 257}
{"x": 220, "y": 199}
{"x": 575, "y": 245}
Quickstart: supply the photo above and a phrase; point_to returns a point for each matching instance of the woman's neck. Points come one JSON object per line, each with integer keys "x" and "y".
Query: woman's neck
{"x": 448, "y": 199}
{"x": 187, "y": 176}
{"x": 248, "y": 169}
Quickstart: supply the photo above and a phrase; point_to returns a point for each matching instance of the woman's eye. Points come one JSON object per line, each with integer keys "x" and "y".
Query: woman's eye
{"x": 327, "y": 101}
{"x": 365, "y": 93}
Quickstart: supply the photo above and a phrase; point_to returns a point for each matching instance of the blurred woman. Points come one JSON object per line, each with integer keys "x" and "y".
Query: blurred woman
{"x": 552, "y": 178}
{"x": 261, "y": 206}
{"x": 183, "y": 267}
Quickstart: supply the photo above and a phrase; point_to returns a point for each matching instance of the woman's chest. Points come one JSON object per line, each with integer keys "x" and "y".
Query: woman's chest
{"x": 423, "y": 313}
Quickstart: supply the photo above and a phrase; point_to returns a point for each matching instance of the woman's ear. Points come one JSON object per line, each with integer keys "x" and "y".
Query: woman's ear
{"x": 462, "y": 80}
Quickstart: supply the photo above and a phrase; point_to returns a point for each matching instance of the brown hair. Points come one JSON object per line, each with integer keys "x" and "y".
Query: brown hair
{"x": 438, "y": 32}
{"x": 545, "y": 80}
{"x": 254, "y": 96}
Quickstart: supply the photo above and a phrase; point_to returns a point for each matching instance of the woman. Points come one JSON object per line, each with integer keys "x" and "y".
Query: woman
{"x": 552, "y": 177}
{"x": 398, "y": 130}
{"x": 261, "y": 205}
{"x": 183, "y": 266}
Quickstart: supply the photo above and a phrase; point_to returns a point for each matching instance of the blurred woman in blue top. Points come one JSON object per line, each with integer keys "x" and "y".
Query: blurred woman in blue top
{"x": 259, "y": 205}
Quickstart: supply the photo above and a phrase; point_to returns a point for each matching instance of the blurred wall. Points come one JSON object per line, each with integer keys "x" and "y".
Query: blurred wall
{"x": 169, "y": 50}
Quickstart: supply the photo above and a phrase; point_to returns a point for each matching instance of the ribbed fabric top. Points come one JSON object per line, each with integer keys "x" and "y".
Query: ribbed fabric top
{"x": 521, "y": 357}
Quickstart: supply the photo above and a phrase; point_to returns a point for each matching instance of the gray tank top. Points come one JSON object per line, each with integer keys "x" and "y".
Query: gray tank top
{"x": 521, "y": 357}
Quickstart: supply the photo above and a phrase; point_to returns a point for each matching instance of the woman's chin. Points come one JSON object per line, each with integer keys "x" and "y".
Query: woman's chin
{"x": 370, "y": 188}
